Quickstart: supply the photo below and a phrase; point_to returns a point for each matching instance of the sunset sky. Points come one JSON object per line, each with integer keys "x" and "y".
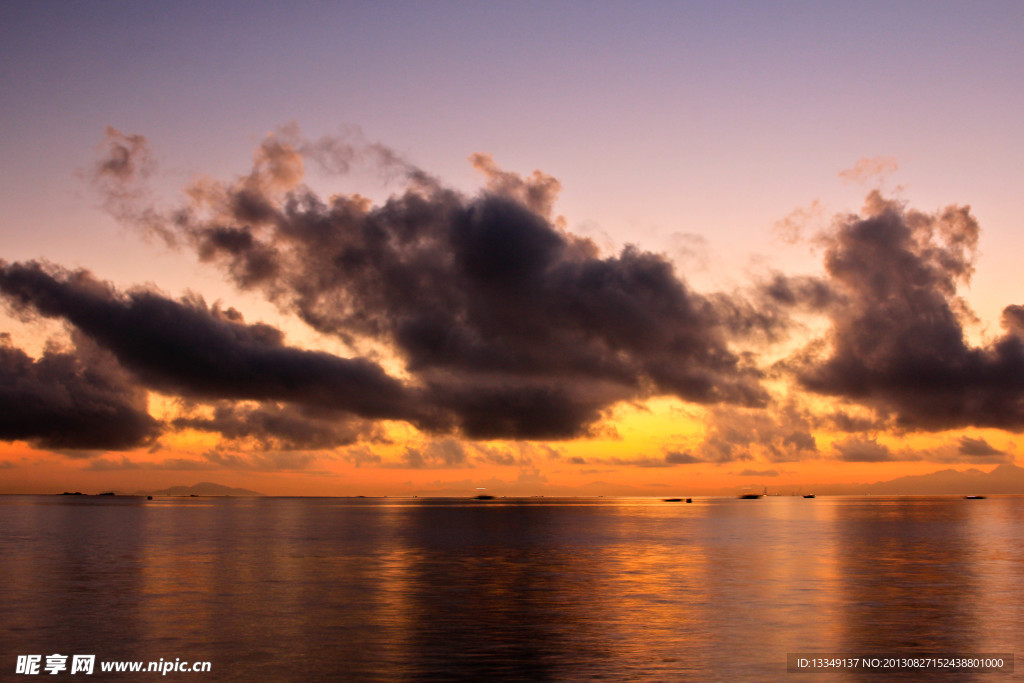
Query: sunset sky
{"x": 578, "y": 248}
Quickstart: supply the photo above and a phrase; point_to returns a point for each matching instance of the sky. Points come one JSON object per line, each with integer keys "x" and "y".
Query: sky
{"x": 598, "y": 248}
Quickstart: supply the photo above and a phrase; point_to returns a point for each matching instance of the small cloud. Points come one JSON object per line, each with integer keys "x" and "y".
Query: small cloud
{"x": 677, "y": 458}
{"x": 977, "y": 447}
{"x": 863, "y": 450}
{"x": 263, "y": 461}
{"x": 791, "y": 228}
{"x": 361, "y": 455}
{"x": 497, "y": 458}
{"x": 436, "y": 454}
{"x": 642, "y": 461}
{"x": 869, "y": 168}
{"x": 671, "y": 459}
{"x": 759, "y": 473}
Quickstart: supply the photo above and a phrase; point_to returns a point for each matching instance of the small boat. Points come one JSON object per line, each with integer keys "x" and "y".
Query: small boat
{"x": 974, "y": 497}
{"x": 483, "y": 496}
{"x": 689, "y": 500}
{"x": 752, "y": 496}
{"x": 808, "y": 495}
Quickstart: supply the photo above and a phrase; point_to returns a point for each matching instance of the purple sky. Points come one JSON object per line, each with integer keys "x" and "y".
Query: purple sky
{"x": 693, "y": 130}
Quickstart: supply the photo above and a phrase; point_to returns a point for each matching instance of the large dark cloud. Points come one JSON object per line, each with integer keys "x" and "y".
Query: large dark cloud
{"x": 186, "y": 348}
{"x": 76, "y": 400}
{"x": 513, "y": 327}
{"x": 897, "y": 339}
{"x": 486, "y": 298}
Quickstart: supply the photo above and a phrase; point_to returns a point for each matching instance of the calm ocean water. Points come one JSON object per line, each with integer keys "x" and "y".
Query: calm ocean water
{"x": 280, "y": 589}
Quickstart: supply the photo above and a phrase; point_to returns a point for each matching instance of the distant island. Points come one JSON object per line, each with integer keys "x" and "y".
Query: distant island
{"x": 1004, "y": 479}
{"x": 204, "y": 488}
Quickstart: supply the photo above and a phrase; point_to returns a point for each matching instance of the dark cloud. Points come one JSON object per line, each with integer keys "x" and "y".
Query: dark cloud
{"x": 640, "y": 461}
{"x": 802, "y": 441}
{"x": 803, "y": 291}
{"x": 671, "y": 459}
{"x": 678, "y": 458}
{"x": 897, "y": 327}
{"x": 843, "y": 421}
{"x": 272, "y": 426}
{"x": 120, "y": 174}
{"x": 515, "y": 328}
{"x": 977, "y": 447}
{"x": 187, "y": 348}
{"x": 71, "y": 400}
{"x": 125, "y": 158}
{"x": 863, "y": 450}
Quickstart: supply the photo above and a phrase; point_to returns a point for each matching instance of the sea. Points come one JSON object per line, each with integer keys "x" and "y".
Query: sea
{"x": 517, "y": 589}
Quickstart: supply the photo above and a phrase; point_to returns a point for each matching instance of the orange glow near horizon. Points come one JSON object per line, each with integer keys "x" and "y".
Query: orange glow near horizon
{"x": 617, "y": 464}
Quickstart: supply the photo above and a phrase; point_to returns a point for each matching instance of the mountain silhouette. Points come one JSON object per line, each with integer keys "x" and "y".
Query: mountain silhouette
{"x": 205, "y": 488}
{"x": 1005, "y": 478}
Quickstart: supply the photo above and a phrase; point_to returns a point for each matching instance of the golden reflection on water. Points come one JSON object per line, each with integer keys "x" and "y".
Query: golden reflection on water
{"x": 633, "y": 589}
